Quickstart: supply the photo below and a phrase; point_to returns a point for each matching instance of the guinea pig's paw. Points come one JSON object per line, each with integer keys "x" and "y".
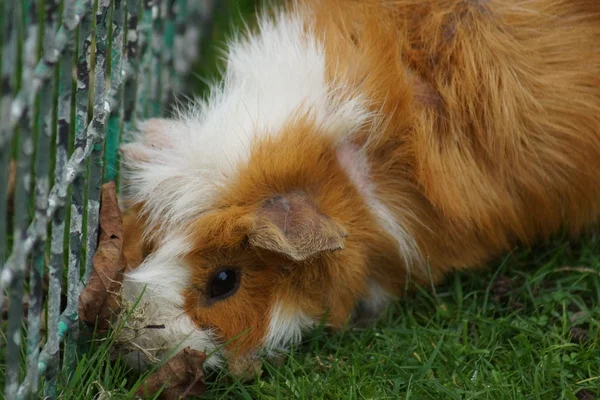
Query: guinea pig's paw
{"x": 278, "y": 360}
{"x": 245, "y": 368}
{"x": 363, "y": 317}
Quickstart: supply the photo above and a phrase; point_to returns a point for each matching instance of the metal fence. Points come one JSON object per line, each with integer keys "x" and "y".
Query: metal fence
{"x": 75, "y": 74}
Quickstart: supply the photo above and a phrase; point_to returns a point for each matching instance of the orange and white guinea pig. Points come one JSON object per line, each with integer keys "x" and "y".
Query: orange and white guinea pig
{"x": 356, "y": 148}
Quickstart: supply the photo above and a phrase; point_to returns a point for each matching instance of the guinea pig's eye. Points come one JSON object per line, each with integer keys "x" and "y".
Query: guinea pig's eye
{"x": 223, "y": 283}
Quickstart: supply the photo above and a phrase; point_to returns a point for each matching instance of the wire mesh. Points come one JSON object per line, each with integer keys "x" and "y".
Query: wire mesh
{"x": 74, "y": 75}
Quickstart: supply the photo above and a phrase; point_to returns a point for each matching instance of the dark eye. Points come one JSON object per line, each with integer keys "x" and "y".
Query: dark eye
{"x": 223, "y": 283}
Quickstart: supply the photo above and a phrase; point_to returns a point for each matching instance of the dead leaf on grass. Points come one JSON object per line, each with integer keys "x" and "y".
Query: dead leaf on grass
{"x": 502, "y": 287}
{"x": 585, "y": 395}
{"x": 99, "y": 301}
{"x": 579, "y": 335}
{"x": 181, "y": 376}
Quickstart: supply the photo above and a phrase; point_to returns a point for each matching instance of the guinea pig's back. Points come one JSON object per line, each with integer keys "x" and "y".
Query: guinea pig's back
{"x": 517, "y": 130}
{"x": 492, "y": 113}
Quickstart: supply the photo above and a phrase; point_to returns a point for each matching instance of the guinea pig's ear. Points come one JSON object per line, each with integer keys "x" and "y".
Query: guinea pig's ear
{"x": 152, "y": 134}
{"x": 291, "y": 225}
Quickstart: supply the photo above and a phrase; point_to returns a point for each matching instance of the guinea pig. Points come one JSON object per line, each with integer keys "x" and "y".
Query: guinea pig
{"x": 353, "y": 150}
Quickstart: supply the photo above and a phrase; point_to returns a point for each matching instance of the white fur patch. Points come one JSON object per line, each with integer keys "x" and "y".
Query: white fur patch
{"x": 355, "y": 163}
{"x": 392, "y": 224}
{"x": 285, "y": 328}
{"x": 158, "y": 327}
{"x": 271, "y": 78}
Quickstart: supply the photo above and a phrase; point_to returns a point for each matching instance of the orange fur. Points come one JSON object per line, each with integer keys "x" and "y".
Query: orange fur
{"x": 326, "y": 284}
{"x": 489, "y": 135}
{"x": 498, "y": 140}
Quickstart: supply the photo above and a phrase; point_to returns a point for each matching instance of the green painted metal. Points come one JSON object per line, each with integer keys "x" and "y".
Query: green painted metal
{"x": 75, "y": 75}
{"x": 116, "y": 91}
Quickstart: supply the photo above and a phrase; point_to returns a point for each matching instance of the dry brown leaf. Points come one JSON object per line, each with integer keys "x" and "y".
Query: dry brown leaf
{"x": 99, "y": 301}
{"x": 181, "y": 376}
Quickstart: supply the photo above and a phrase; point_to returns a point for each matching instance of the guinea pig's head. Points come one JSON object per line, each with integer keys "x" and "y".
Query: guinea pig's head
{"x": 244, "y": 254}
{"x": 259, "y": 211}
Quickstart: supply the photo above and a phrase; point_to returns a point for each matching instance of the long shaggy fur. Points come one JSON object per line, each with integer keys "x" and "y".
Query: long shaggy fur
{"x": 435, "y": 133}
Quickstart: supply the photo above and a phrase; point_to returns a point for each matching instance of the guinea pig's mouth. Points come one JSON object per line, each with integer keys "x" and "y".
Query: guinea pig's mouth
{"x": 152, "y": 325}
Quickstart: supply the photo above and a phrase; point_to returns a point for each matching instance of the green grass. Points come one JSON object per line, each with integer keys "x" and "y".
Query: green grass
{"x": 527, "y": 328}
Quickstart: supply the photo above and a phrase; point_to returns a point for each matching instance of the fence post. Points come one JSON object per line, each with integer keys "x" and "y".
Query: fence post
{"x": 106, "y": 44}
